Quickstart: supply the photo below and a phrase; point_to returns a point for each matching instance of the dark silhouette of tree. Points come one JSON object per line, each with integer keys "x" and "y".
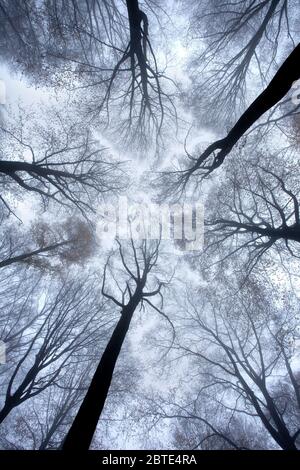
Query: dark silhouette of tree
{"x": 245, "y": 352}
{"x": 19, "y": 288}
{"x": 56, "y": 336}
{"x": 71, "y": 241}
{"x": 135, "y": 294}
{"x": 215, "y": 154}
{"x": 25, "y": 256}
{"x": 64, "y": 164}
{"x": 242, "y": 40}
{"x": 260, "y": 211}
{"x": 102, "y": 47}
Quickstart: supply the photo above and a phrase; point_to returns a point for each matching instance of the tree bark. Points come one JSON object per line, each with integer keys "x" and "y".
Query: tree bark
{"x": 82, "y": 430}
{"x": 6, "y": 410}
{"x": 279, "y": 86}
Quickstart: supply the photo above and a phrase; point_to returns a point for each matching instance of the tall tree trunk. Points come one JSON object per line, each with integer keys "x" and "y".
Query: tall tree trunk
{"x": 82, "y": 430}
{"x": 279, "y": 86}
{"x": 6, "y": 410}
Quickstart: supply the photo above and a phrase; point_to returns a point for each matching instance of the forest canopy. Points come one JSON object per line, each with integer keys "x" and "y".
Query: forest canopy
{"x": 181, "y": 331}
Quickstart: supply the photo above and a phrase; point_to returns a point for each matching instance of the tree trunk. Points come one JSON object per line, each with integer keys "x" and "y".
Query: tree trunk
{"x": 6, "y": 410}
{"x": 82, "y": 430}
{"x": 288, "y": 73}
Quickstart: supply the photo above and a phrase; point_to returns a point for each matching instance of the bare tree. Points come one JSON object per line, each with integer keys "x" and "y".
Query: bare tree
{"x": 193, "y": 433}
{"x": 62, "y": 328}
{"x": 19, "y": 311}
{"x": 41, "y": 422}
{"x": 22, "y": 33}
{"x": 133, "y": 295}
{"x": 259, "y": 210}
{"x": 132, "y": 80}
{"x": 243, "y": 353}
{"x": 229, "y": 378}
{"x": 61, "y": 407}
{"x": 63, "y": 164}
{"x": 214, "y": 155}
{"x": 71, "y": 241}
{"x": 103, "y": 47}
{"x": 242, "y": 40}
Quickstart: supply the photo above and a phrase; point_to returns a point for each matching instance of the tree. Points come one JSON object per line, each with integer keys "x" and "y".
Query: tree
{"x": 40, "y": 424}
{"x": 248, "y": 350}
{"x": 71, "y": 241}
{"x": 66, "y": 402}
{"x": 18, "y": 311}
{"x": 63, "y": 164}
{"x": 260, "y": 211}
{"x": 214, "y": 155}
{"x": 133, "y": 295}
{"x": 102, "y": 46}
{"x": 107, "y": 83}
{"x": 242, "y": 40}
{"x": 57, "y": 335}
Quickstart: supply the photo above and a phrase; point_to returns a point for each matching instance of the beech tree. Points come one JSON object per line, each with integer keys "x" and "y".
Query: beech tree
{"x": 243, "y": 353}
{"x": 242, "y": 40}
{"x": 102, "y": 47}
{"x": 42, "y": 428}
{"x": 214, "y": 155}
{"x": 63, "y": 164}
{"x": 260, "y": 212}
{"x": 69, "y": 241}
{"x": 61, "y": 329}
{"x": 196, "y": 101}
{"x": 135, "y": 294}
